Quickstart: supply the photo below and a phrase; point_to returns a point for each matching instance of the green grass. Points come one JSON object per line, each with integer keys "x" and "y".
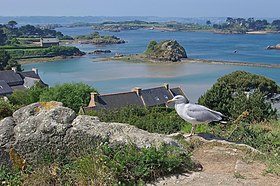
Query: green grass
{"x": 104, "y": 165}
{"x": 264, "y": 136}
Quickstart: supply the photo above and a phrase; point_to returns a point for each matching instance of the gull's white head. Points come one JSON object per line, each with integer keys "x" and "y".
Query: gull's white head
{"x": 178, "y": 99}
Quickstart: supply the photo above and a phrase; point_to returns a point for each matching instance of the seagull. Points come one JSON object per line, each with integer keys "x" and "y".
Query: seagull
{"x": 195, "y": 113}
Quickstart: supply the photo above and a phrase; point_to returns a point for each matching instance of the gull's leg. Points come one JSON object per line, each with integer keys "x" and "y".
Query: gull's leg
{"x": 193, "y": 129}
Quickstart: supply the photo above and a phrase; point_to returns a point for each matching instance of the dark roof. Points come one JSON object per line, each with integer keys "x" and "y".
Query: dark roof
{"x": 18, "y": 87}
{"x": 49, "y": 40}
{"x": 30, "y": 74}
{"x": 177, "y": 91}
{"x": 113, "y": 101}
{"x": 11, "y": 78}
{"x": 5, "y": 88}
{"x": 138, "y": 97}
{"x": 156, "y": 96}
{"x": 18, "y": 80}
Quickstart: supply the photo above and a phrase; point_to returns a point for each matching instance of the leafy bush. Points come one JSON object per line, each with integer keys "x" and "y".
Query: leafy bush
{"x": 154, "y": 119}
{"x": 26, "y": 97}
{"x": 227, "y": 95}
{"x": 10, "y": 177}
{"x": 6, "y": 109}
{"x": 72, "y": 95}
{"x": 256, "y": 105}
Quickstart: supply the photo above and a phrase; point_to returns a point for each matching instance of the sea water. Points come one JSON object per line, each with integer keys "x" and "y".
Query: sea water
{"x": 195, "y": 79}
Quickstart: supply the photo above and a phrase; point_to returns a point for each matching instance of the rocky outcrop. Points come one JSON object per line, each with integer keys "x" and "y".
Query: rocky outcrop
{"x": 277, "y": 47}
{"x": 168, "y": 50}
{"x": 101, "y": 41}
{"x": 100, "y": 52}
{"x": 49, "y": 128}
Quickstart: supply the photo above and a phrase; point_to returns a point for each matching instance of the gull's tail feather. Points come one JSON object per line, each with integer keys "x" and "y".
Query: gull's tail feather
{"x": 225, "y": 119}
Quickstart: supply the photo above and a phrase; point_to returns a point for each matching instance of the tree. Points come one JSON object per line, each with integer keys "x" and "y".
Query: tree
{"x": 13, "y": 41}
{"x": 229, "y": 20}
{"x": 260, "y": 24}
{"x": 4, "y": 58}
{"x": 228, "y": 96}
{"x": 12, "y": 24}
{"x": 276, "y": 23}
{"x": 3, "y": 37}
{"x": 72, "y": 95}
{"x": 6, "y": 62}
{"x": 13, "y": 63}
{"x": 208, "y": 22}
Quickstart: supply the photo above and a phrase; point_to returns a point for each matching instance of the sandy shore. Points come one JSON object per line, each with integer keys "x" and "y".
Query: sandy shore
{"x": 263, "y": 32}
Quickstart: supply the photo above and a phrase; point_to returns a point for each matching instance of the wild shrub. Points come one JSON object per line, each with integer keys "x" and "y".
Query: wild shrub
{"x": 228, "y": 96}
{"x": 154, "y": 119}
{"x": 72, "y": 95}
{"x": 109, "y": 165}
{"x": 9, "y": 176}
{"x": 131, "y": 165}
{"x": 6, "y": 109}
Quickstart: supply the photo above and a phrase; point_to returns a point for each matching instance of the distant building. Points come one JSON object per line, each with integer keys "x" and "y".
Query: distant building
{"x": 48, "y": 42}
{"x": 11, "y": 80}
{"x": 157, "y": 96}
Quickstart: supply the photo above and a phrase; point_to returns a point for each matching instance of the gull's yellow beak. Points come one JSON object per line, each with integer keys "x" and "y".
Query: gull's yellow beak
{"x": 171, "y": 100}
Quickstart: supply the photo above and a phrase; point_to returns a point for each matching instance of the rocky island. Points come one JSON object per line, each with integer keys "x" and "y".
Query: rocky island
{"x": 170, "y": 51}
{"x": 167, "y": 50}
{"x": 163, "y": 51}
{"x": 97, "y": 39}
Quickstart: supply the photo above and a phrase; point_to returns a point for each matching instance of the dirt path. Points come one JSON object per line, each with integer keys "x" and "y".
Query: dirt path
{"x": 223, "y": 164}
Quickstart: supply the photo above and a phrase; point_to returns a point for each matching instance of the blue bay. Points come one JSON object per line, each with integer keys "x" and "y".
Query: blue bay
{"x": 195, "y": 79}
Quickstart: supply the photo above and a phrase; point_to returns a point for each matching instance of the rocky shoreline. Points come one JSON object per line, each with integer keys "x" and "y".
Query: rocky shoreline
{"x": 140, "y": 58}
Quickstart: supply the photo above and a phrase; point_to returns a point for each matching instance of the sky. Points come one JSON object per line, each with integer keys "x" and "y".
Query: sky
{"x": 160, "y": 8}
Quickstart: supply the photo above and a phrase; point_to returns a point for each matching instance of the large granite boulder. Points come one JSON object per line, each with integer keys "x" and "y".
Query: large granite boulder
{"x": 49, "y": 128}
{"x": 167, "y": 50}
{"x": 277, "y": 47}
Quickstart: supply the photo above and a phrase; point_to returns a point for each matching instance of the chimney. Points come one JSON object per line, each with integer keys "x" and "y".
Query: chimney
{"x": 166, "y": 85}
{"x": 93, "y": 99}
{"x": 14, "y": 69}
{"x": 35, "y": 70}
{"x": 137, "y": 90}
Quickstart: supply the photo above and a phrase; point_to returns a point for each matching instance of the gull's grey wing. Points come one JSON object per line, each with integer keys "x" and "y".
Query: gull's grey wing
{"x": 203, "y": 114}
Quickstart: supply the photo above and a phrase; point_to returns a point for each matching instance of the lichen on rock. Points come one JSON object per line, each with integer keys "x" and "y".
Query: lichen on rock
{"x": 48, "y": 128}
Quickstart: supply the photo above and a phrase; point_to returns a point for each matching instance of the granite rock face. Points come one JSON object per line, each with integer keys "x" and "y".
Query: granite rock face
{"x": 167, "y": 50}
{"x": 49, "y": 128}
